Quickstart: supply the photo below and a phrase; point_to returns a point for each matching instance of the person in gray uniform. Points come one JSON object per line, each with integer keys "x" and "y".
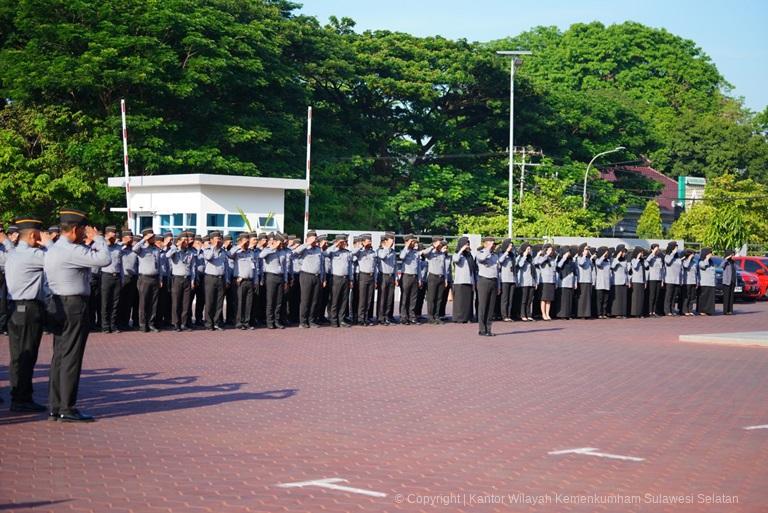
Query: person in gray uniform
{"x": 603, "y": 281}
{"x": 409, "y": 282}
{"x": 111, "y": 282}
{"x": 729, "y": 281}
{"x": 526, "y": 280}
{"x": 341, "y": 276}
{"x": 655, "y": 265}
{"x": 164, "y": 292}
{"x": 311, "y": 278}
{"x": 275, "y": 265}
{"x": 215, "y": 257}
{"x": 673, "y": 277}
{"x": 199, "y": 291}
{"x": 567, "y": 284}
{"x": 366, "y": 260}
{"x": 586, "y": 271}
{"x": 149, "y": 280}
{"x": 620, "y": 271}
{"x": 388, "y": 272}
{"x": 128, "y": 306}
{"x": 183, "y": 267}
{"x": 638, "y": 282}
{"x": 488, "y": 285}
{"x": 243, "y": 281}
{"x": 508, "y": 276}
{"x": 706, "y": 304}
{"x": 6, "y": 246}
{"x": 546, "y": 265}
{"x": 690, "y": 281}
{"x": 436, "y": 279}
{"x": 259, "y": 314}
{"x": 464, "y": 282}
{"x": 67, "y": 269}
{"x": 24, "y": 268}
{"x": 447, "y": 261}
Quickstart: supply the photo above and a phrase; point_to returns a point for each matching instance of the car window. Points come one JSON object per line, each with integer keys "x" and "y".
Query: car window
{"x": 751, "y": 266}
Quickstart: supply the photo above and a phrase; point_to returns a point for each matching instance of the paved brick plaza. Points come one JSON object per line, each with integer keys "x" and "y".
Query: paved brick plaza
{"x": 214, "y": 421}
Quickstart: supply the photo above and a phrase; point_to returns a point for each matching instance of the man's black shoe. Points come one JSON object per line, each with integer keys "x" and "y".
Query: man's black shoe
{"x": 27, "y": 407}
{"x": 218, "y": 328}
{"x": 280, "y": 326}
{"x": 303, "y": 325}
{"x": 314, "y": 325}
{"x": 115, "y": 330}
{"x": 177, "y": 329}
{"x": 153, "y": 329}
{"x": 345, "y": 325}
{"x": 145, "y": 330}
{"x": 53, "y": 416}
{"x": 271, "y": 327}
{"x": 75, "y": 416}
{"x": 106, "y": 331}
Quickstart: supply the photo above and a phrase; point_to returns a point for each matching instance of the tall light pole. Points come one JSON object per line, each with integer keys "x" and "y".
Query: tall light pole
{"x": 514, "y": 61}
{"x": 586, "y": 173}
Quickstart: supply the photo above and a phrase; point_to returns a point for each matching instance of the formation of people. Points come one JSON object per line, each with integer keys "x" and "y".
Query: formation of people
{"x": 71, "y": 279}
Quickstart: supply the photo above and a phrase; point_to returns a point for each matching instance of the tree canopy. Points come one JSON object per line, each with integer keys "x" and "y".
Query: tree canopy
{"x": 410, "y": 133}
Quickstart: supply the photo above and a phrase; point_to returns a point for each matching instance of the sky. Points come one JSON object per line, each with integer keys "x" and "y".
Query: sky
{"x": 733, "y": 33}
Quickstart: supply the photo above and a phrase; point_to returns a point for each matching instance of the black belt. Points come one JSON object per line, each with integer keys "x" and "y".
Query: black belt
{"x": 438, "y": 275}
{"x": 311, "y": 274}
{"x": 110, "y": 274}
{"x": 153, "y": 276}
{"x": 26, "y": 301}
{"x": 217, "y": 276}
{"x": 367, "y": 274}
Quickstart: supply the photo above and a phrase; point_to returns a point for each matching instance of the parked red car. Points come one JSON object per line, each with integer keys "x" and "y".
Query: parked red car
{"x": 757, "y": 266}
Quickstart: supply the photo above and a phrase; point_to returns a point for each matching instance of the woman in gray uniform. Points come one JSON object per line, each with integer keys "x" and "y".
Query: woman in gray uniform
{"x": 673, "y": 271}
{"x": 508, "y": 278}
{"x": 620, "y": 269}
{"x": 586, "y": 270}
{"x": 603, "y": 281}
{"x": 464, "y": 281}
{"x": 706, "y": 305}
{"x": 526, "y": 280}
{"x": 690, "y": 281}
{"x": 488, "y": 285}
{"x": 566, "y": 267}
{"x": 546, "y": 264}
{"x": 655, "y": 265}
{"x": 639, "y": 267}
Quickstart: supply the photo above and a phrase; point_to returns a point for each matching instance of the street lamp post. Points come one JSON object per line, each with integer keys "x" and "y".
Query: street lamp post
{"x": 586, "y": 173}
{"x": 514, "y": 61}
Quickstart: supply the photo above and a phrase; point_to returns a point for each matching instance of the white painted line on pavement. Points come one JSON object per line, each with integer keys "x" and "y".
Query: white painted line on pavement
{"x": 591, "y": 451}
{"x": 762, "y": 426}
{"x": 330, "y": 484}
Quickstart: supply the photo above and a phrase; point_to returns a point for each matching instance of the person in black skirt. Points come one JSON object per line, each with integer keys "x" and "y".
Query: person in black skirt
{"x": 620, "y": 270}
{"x": 464, "y": 281}
{"x": 706, "y": 302}
{"x": 508, "y": 276}
{"x": 729, "y": 282}
{"x": 546, "y": 265}
{"x": 603, "y": 281}
{"x": 586, "y": 270}
{"x": 690, "y": 281}
{"x": 655, "y": 276}
{"x": 639, "y": 268}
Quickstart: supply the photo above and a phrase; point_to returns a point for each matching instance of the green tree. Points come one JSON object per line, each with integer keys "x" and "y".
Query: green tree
{"x": 649, "y": 226}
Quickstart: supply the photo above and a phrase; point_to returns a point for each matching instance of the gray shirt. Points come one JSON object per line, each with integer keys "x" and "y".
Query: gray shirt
{"x": 149, "y": 258}
{"x": 620, "y": 270}
{"x": 586, "y": 269}
{"x": 673, "y": 271}
{"x": 366, "y": 260}
{"x": 526, "y": 271}
{"x": 68, "y": 266}
{"x": 546, "y": 268}
{"x": 706, "y": 273}
{"x": 215, "y": 261}
{"x": 130, "y": 261}
{"x": 274, "y": 262}
{"x": 243, "y": 263}
{"x": 603, "y": 274}
{"x": 116, "y": 252}
{"x": 435, "y": 262}
{"x": 387, "y": 260}
{"x": 312, "y": 259}
{"x": 24, "y": 273}
{"x": 508, "y": 268}
{"x": 183, "y": 262}
{"x": 690, "y": 271}
{"x": 410, "y": 259}
{"x": 568, "y": 272}
{"x": 462, "y": 273}
{"x": 488, "y": 265}
{"x": 639, "y": 270}
{"x": 655, "y": 267}
{"x": 729, "y": 272}
{"x": 341, "y": 263}
{"x": 5, "y": 248}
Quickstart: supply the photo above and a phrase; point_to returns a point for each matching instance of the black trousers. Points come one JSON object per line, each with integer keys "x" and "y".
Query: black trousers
{"x": 94, "y": 308}
{"x": 322, "y": 301}
{"x": 619, "y": 304}
{"x": 435, "y": 289}
{"x": 584, "y": 309}
{"x": 244, "y": 302}
{"x": 164, "y": 302}
{"x": 181, "y": 300}
{"x": 310, "y": 295}
{"x": 214, "y": 300}
{"x": 129, "y": 301}
{"x": 3, "y": 302}
{"x": 70, "y": 333}
{"x": 486, "y": 296}
{"x": 149, "y": 287}
{"x": 507, "y": 299}
{"x": 602, "y": 300}
{"x": 232, "y": 307}
{"x": 199, "y": 294}
{"x": 387, "y": 297}
{"x": 526, "y": 299}
{"x": 671, "y": 297}
{"x": 421, "y": 294}
{"x": 110, "y": 300}
{"x": 259, "y": 311}
{"x": 444, "y": 300}
{"x": 25, "y": 329}
{"x": 729, "y": 293}
{"x": 689, "y": 298}
{"x": 409, "y": 289}
{"x": 339, "y": 299}
{"x": 366, "y": 286}
{"x": 463, "y": 302}
{"x": 294, "y": 299}
{"x": 274, "y": 298}
{"x": 654, "y": 288}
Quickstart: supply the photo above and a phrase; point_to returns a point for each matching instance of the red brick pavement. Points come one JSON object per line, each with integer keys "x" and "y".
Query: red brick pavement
{"x": 213, "y": 421}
